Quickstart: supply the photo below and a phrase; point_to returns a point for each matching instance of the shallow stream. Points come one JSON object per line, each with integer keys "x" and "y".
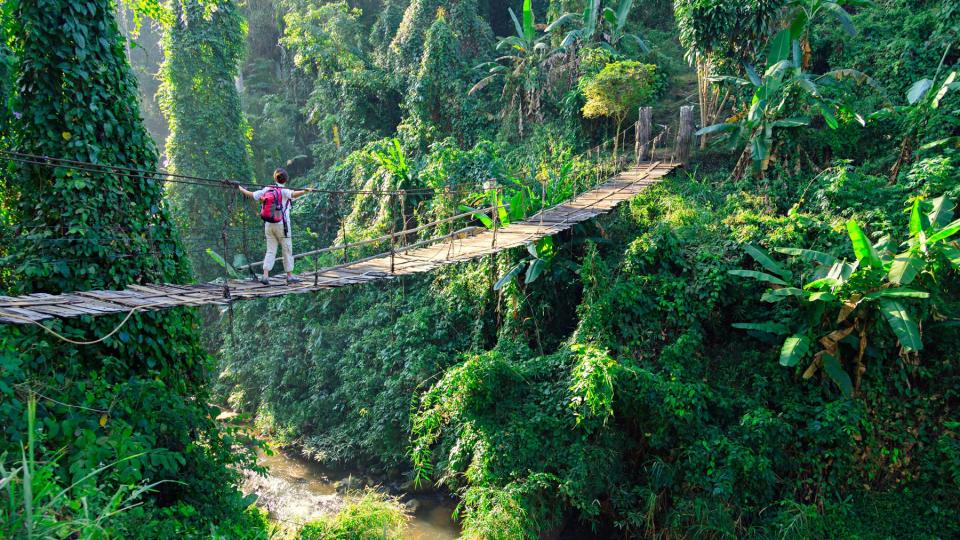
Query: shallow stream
{"x": 297, "y": 491}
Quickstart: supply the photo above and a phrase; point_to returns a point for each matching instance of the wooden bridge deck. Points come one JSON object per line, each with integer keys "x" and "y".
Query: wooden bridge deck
{"x": 600, "y": 200}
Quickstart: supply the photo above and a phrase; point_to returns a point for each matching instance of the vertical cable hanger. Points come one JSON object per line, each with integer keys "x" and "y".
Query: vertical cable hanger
{"x": 393, "y": 233}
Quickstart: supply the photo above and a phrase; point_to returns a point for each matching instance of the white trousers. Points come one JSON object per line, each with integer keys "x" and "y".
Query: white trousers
{"x": 275, "y": 237}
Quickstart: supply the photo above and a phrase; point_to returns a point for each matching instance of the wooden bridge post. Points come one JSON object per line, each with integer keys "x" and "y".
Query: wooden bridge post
{"x": 644, "y": 127}
{"x": 685, "y": 135}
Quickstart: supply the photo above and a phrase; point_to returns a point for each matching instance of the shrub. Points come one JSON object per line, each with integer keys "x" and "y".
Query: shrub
{"x": 373, "y": 515}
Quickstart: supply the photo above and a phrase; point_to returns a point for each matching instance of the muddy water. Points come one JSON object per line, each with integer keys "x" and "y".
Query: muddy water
{"x": 296, "y": 491}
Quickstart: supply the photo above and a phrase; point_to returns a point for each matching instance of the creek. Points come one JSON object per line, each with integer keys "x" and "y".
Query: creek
{"x": 297, "y": 490}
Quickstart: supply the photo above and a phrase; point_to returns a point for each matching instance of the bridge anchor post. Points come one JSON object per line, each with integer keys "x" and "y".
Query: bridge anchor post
{"x": 685, "y": 135}
{"x": 644, "y": 127}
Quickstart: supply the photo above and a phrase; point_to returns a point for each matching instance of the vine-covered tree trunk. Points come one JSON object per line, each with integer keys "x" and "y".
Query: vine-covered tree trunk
{"x": 137, "y": 398}
{"x": 207, "y": 128}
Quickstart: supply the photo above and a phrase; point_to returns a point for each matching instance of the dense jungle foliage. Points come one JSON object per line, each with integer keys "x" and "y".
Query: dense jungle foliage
{"x": 762, "y": 345}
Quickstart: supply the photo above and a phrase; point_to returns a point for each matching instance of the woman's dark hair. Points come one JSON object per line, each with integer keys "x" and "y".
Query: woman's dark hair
{"x": 280, "y": 176}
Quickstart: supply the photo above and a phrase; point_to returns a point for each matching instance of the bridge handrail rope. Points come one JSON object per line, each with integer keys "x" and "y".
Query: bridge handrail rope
{"x": 390, "y": 236}
{"x": 136, "y": 174}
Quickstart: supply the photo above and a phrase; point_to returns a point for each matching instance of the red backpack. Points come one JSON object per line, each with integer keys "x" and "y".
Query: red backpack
{"x": 271, "y": 205}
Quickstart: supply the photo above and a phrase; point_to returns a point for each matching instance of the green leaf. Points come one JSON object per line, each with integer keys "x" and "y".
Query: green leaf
{"x": 779, "y": 48}
{"x": 610, "y": 16}
{"x": 791, "y": 122}
{"x": 916, "y": 223}
{"x": 823, "y": 282}
{"x": 942, "y": 212}
{"x": 516, "y": 23}
{"x": 777, "y": 295}
{"x": 217, "y": 258}
{"x": 479, "y": 214}
{"x": 508, "y": 277}
{"x": 519, "y": 204}
{"x": 822, "y": 297}
{"x": 239, "y": 260}
{"x": 842, "y": 271}
{"x": 898, "y": 292}
{"x": 764, "y": 259}
{"x": 905, "y": 268}
{"x": 760, "y": 276}
{"x": 534, "y": 270}
{"x": 862, "y": 247}
{"x": 809, "y": 255}
{"x": 563, "y": 19}
{"x": 794, "y": 349}
{"x": 952, "y": 253}
{"x": 798, "y": 24}
{"x": 773, "y": 77}
{"x": 945, "y": 232}
{"x": 809, "y": 86}
{"x": 833, "y": 369}
{"x": 947, "y": 84}
{"x": 902, "y": 324}
{"x": 529, "y": 24}
{"x": 715, "y": 128}
{"x": 545, "y": 248}
{"x": 752, "y": 75}
{"x": 842, "y": 16}
{"x": 918, "y": 90}
{"x": 759, "y": 150}
{"x": 828, "y": 115}
{"x": 769, "y": 327}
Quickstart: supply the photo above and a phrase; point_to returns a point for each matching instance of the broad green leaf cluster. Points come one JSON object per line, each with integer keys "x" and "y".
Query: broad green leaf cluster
{"x": 853, "y": 295}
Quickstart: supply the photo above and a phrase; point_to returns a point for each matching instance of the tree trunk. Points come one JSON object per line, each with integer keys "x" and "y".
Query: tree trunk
{"x": 905, "y": 150}
{"x": 741, "y": 165}
{"x": 685, "y": 135}
{"x": 616, "y": 138}
{"x": 708, "y": 101}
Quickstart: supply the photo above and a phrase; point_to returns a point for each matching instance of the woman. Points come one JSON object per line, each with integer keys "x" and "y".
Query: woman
{"x": 278, "y": 233}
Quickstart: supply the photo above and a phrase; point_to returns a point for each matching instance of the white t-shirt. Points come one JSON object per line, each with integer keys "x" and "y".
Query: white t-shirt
{"x": 287, "y": 199}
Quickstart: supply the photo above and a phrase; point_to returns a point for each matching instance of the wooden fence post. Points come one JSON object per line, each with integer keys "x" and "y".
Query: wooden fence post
{"x": 685, "y": 135}
{"x": 644, "y": 126}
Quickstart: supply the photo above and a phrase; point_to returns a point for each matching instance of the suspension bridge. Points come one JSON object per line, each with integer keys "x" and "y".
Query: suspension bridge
{"x": 627, "y": 179}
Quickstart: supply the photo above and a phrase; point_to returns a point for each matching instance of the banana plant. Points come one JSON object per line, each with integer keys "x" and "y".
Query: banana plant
{"x": 923, "y": 104}
{"x": 804, "y": 11}
{"x": 773, "y": 104}
{"x": 520, "y": 65}
{"x": 617, "y": 21}
{"x": 586, "y": 25}
{"x": 541, "y": 259}
{"x": 239, "y": 261}
{"x": 873, "y": 287}
{"x": 394, "y": 161}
